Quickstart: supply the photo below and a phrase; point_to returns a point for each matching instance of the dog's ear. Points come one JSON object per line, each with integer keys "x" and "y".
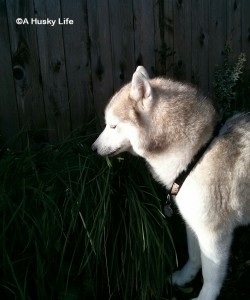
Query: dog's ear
{"x": 140, "y": 86}
{"x": 142, "y": 70}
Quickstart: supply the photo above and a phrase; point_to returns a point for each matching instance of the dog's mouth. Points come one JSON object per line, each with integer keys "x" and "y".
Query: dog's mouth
{"x": 116, "y": 151}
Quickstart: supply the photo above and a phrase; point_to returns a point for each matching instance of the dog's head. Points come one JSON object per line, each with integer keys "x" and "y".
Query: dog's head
{"x": 150, "y": 116}
{"x": 122, "y": 116}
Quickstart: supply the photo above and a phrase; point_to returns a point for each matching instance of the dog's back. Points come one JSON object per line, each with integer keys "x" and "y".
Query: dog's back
{"x": 219, "y": 186}
{"x": 229, "y": 160}
{"x": 239, "y": 128}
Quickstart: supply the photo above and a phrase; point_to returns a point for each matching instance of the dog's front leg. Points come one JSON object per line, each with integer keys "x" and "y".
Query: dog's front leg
{"x": 191, "y": 268}
{"x": 215, "y": 248}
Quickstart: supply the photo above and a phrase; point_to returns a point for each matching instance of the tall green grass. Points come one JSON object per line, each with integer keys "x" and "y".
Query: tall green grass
{"x": 78, "y": 226}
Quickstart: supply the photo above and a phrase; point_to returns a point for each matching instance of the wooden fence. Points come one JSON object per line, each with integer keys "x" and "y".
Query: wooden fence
{"x": 55, "y": 78}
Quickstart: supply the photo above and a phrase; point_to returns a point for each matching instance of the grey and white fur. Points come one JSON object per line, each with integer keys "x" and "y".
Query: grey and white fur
{"x": 167, "y": 123}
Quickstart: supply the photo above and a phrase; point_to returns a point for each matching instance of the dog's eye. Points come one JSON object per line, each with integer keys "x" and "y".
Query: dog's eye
{"x": 112, "y": 126}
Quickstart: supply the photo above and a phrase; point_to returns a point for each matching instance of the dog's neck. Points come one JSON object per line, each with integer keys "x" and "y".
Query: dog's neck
{"x": 177, "y": 164}
{"x": 167, "y": 166}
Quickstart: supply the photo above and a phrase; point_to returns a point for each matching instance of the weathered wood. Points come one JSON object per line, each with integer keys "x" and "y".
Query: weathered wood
{"x": 163, "y": 37}
{"x": 144, "y": 33}
{"x": 234, "y": 21}
{"x": 169, "y": 36}
{"x": 55, "y": 77}
{"x": 182, "y": 12}
{"x": 122, "y": 41}
{"x": 217, "y": 36}
{"x": 9, "y": 123}
{"x": 26, "y": 70}
{"x": 245, "y": 39}
{"x": 101, "y": 53}
{"x": 158, "y": 38}
{"x": 200, "y": 43}
{"x": 77, "y": 58}
{"x": 246, "y": 30}
{"x": 53, "y": 70}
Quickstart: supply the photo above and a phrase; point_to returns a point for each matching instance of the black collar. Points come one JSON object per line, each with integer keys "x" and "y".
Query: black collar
{"x": 182, "y": 177}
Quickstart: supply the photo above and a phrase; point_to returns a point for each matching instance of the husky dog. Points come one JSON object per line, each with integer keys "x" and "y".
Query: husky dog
{"x": 167, "y": 123}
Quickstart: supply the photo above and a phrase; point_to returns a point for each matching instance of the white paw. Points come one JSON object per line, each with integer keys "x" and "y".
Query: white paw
{"x": 178, "y": 278}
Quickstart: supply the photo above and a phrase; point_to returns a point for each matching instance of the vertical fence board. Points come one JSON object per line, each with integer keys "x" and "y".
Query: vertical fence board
{"x": 53, "y": 71}
{"x": 182, "y": 40}
{"x": 144, "y": 33}
{"x": 101, "y": 53}
{"x": 26, "y": 70}
{"x": 246, "y": 30}
{"x": 159, "y": 37}
{"x": 234, "y": 36}
{"x": 164, "y": 37}
{"x": 122, "y": 41}
{"x": 169, "y": 37}
{"x": 217, "y": 36}
{"x": 9, "y": 122}
{"x": 77, "y": 62}
{"x": 62, "y": 74}
{"x": 200, "y": 43}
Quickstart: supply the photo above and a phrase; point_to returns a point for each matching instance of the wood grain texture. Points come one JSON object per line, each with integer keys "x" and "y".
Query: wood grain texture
{"x": 200, "y": 43}
{"x": 245, "y": 34}
{"x": 9, "y": 122}
{"x": 217, "y": 36}
{"x": 26, "y": 71}
{"x": 101, "y": 53}
{"x": 144, "y": 34}
{"x": 75, "y": 39}
{"x": 183, "y": 17}
{"x": 53, "y": 71}
{"x": 234, "y": 24}
{"x": 122, "y": 41}
{"x": 161, "y": 38}
{"x": 57, "y": 78}
{"x": 169, "y": 26}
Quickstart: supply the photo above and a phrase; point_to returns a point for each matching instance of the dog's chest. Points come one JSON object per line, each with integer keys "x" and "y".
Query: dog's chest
{"x": 193, "y": 201}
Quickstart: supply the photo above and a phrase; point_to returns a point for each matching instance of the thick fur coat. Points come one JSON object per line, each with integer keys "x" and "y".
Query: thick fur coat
{"x": 167, "y": 123}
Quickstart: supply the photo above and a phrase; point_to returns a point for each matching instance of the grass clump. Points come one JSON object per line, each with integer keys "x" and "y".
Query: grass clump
{"x": 78, "y": 226}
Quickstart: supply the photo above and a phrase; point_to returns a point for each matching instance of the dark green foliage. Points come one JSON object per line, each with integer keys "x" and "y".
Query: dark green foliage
{"x": 78, "y": 226}
{"x": 226, "y": 78}
{"x": 242, "y": 92}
